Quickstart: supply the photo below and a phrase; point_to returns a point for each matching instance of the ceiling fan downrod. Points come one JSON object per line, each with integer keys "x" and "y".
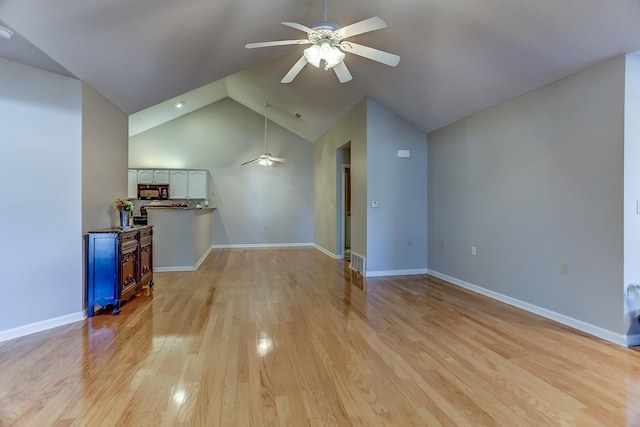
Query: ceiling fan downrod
{"x": 266, "y": 108}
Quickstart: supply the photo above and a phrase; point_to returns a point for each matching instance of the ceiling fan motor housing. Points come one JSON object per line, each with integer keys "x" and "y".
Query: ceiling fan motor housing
{"x": 325, "y": 25}
{"x": 324, "y": 33}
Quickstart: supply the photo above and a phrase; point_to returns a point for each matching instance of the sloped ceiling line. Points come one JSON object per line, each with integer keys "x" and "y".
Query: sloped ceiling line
{"x": 458, "y": 57}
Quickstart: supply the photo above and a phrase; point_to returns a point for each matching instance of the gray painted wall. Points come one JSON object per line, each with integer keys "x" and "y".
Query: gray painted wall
{"x": 41, "y": 149}
{"x": 105, "y": 153}
{"x": 256, "y": 205}
{"x": 393, "y": 237}
{"x": 327, "y": 167}
{"x": 533, "y": 183}
{"x": 104, "y": 165}
{"x": 632, "y": 192}
{"x": 396, "y": 230}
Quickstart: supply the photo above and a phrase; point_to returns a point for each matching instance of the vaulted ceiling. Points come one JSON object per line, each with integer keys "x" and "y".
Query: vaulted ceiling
{"x": 457, "y": 56}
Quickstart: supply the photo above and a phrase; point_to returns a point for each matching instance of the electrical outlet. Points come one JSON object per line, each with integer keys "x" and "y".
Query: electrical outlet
{"x": 473, "y": 250}
{"x": 564, "y": 268}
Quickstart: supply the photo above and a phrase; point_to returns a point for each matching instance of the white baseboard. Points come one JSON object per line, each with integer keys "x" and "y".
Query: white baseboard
{"x": 32, "y": 328}
{"x": 233, "y": 246}
{"x": 203, "y": 257}
{"x": 278, "y": 245}
{"x": 328, "y": 253}
{"x": 261, "y": 245}
{"x": 560, "y": 318}
{"x": 185, "y": 267}
{"x": 176, "y": 268}
{"x": 380, "y": 273}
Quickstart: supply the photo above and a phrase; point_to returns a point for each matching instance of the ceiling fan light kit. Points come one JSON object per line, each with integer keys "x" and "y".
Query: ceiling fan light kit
{"x": 327, "y": 44}
{"x": 331, "y": 55}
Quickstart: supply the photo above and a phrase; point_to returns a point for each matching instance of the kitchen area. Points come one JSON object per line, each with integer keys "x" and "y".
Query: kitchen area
{"x": 177, "y": 203}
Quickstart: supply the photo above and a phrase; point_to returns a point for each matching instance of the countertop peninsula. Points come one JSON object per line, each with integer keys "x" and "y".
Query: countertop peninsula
{"x": 182, "y": 236}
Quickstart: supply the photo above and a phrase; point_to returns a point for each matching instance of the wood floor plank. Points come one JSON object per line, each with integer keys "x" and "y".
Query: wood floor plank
{"x": 290, "y": 336}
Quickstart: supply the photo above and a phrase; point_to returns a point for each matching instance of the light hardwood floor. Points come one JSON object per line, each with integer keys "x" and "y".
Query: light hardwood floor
{"x": 289, "y": 337}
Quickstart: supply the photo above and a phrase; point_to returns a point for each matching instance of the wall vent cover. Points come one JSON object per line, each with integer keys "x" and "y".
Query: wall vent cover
{"x": 357, "y": 262}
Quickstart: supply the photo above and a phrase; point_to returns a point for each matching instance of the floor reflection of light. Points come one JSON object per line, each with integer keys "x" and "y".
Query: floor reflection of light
{"x": 179, "y": 396}
{"x": 264, "y": 346}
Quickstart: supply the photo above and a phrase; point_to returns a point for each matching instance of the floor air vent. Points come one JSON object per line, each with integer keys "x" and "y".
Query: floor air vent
{"x": 357, "y": 262}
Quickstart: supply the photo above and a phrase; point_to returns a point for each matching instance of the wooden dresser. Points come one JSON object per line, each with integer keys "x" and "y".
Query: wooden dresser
{"x": 120, "y": 265}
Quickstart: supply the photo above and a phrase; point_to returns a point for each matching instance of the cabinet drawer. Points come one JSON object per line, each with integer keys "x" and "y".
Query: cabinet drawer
{"x": 145, "y": 237}
{"x": 129, "y": 241}
{"x": 145, "y": 232}
{"x": 128, "y": 236}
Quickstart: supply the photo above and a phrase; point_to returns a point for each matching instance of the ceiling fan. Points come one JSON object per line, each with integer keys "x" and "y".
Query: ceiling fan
{"x": 265, "y": 159}
{"x": 328, "y": 44}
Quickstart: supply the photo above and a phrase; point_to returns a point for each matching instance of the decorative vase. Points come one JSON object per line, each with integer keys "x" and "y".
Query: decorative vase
{"x": 124, "y": 219}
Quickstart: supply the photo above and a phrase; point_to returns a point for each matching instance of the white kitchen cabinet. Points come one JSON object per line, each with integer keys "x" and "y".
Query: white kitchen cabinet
{"x": 183, "y": 184}
{"x": 132, "y": 184}
{"x": 153, "y": 176}
{"x": 188, "y": 184}
{"x": 197, "y": 187}
{"x": 178, "y": 184}
{"x": 145, "y": 176}
{"x": 160, "y": 176}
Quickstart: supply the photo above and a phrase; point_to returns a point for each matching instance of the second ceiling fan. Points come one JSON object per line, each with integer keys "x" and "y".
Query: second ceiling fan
{"x": 328, "y": 44}
{"x": 265, "y": 159}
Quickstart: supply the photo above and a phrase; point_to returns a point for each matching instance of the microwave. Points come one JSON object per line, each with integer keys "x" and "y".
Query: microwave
{"x": 153, "y": 191}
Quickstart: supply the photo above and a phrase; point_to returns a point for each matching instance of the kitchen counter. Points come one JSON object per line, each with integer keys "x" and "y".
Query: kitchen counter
{"x": 179, "y": 208}
{"x": 181, "y": 236}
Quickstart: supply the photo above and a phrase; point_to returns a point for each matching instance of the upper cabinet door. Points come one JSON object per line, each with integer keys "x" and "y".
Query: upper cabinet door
{"x": 178, "y": 184}
{"x": 132, "y": 187}
{"x": 160, "y": 176}
{"x": 198, "y": 184}
{"x": 145, "y": 176}
{"x": 153, "y": 176}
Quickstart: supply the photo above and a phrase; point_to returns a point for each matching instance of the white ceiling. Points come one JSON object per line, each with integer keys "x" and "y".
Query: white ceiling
{"x": 457, "y": 56}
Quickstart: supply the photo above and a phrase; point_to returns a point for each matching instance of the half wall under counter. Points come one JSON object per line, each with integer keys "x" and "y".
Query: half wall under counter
{"x": 182, "y": 237}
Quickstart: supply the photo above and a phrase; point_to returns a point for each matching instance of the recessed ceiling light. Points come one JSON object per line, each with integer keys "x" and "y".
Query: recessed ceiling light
{"x": 5, "y": 33}
{"x": 180, "y": 104}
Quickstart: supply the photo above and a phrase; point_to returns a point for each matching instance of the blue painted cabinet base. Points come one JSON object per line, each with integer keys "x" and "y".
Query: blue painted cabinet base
{"x": 119, "y": 266}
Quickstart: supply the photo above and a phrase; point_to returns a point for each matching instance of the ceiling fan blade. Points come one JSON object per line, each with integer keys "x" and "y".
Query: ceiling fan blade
{"x": 299, "y": 27}
{"x": 342, "y": 72}
{"x": 276, "y": 43}
{"x": 278, "y": 159}
{"x": 371, "y": 24}
{"x": 293, "y": 72}
{"x": 370, "y": 53}
{"x": 250, "y": 161}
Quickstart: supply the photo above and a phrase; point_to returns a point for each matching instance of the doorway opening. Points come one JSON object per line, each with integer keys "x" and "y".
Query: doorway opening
{"x": 343, "y": 202}
{"x": 346, "y": 244}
